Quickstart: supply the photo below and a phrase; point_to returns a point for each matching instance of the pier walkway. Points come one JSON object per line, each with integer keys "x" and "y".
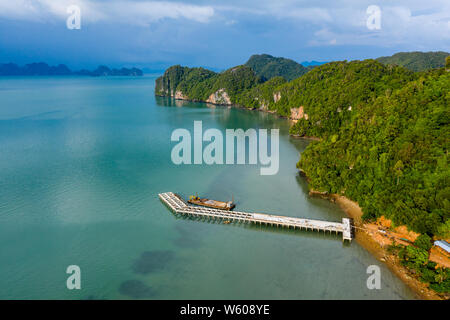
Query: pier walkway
{"x": 179, "y": 206}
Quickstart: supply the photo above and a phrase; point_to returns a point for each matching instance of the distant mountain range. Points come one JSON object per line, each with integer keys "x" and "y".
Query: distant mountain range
{"x": 416, "y": 60}
{"x": 313, "y": 63}
{"x": 43, "y": 69}
{"x": 231, "y": 86}
{"x": 268, "y": 67}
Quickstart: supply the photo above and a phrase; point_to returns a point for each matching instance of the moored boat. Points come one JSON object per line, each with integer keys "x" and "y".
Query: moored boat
{"x": 229, "y": 205}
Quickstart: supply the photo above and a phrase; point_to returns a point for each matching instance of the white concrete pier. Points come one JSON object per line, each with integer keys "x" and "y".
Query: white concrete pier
{"x": 179, "y": 206}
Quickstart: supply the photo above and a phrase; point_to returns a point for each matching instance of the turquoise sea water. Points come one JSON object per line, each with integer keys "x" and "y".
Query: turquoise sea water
{"x": 81, "y": 163}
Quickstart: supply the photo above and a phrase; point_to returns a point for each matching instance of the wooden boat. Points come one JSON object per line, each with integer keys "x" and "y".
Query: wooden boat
{"x": 211, "y": 203}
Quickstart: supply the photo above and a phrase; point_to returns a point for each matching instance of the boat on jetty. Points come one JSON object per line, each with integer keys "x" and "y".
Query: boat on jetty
{"x": 204, "y": 202}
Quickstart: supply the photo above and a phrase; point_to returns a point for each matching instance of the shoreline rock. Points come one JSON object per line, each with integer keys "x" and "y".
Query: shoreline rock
{"x": 220, "y": 97}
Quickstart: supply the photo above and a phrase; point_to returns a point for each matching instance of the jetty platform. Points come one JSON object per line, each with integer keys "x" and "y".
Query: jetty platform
{"x": 179, "y": 206}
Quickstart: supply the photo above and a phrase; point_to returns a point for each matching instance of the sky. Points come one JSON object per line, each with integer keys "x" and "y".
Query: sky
{"x": 217, "y": 34}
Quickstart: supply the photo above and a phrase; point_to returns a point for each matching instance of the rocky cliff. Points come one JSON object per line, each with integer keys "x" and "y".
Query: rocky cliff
{"x": 219, "y": 97}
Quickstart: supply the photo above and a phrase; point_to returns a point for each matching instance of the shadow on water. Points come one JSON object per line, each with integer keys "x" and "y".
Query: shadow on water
{"x": 302, "y": 183}
{"x": 92, "y": 297}
{"x": 186, "y": 239}
{"x": 136, "y": 289}
{"x": 148, "y": 262}
{"x": 317, "y": 200}
{"x": 172, "y": 102}
{"x": 299, "y": 143}
{"x": 153, "y": 261}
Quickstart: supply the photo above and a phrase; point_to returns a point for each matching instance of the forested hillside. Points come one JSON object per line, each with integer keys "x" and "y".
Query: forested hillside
{"x": 268, "y": 67}
{"x": 199, "y": 84}
{"x": 330, "y": 94}
{"x": 417, "y": 61}
{"x": 392, "y": 155}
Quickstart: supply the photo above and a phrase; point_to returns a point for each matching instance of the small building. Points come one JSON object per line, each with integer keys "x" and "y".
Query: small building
{"x": 443, "y": 245}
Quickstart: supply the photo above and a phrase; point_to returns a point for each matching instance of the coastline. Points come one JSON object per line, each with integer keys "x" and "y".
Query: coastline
{"x": 368, "y": 241}
{"x": 236, "y": 106}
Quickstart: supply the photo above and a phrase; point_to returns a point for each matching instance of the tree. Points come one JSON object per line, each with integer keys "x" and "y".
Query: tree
{"x": 416, "y": 255}
{"x": 424, "y": 242}
{"x": 398, "y": 169}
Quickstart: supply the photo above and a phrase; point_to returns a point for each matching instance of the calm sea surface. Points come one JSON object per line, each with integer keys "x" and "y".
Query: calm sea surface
{"x": 81, "y": 163}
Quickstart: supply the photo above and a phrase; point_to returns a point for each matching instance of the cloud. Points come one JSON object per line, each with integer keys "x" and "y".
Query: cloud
{"x": 400, "y": 25}
{"x": 118, "y": 11}
{"x": 300, "y": 29}
{"x": 415, "y": 23}
{"x": 280, "y": 10}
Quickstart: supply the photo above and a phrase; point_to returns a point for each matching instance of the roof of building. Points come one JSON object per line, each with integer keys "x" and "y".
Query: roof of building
{"x": 443, "y": 244}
